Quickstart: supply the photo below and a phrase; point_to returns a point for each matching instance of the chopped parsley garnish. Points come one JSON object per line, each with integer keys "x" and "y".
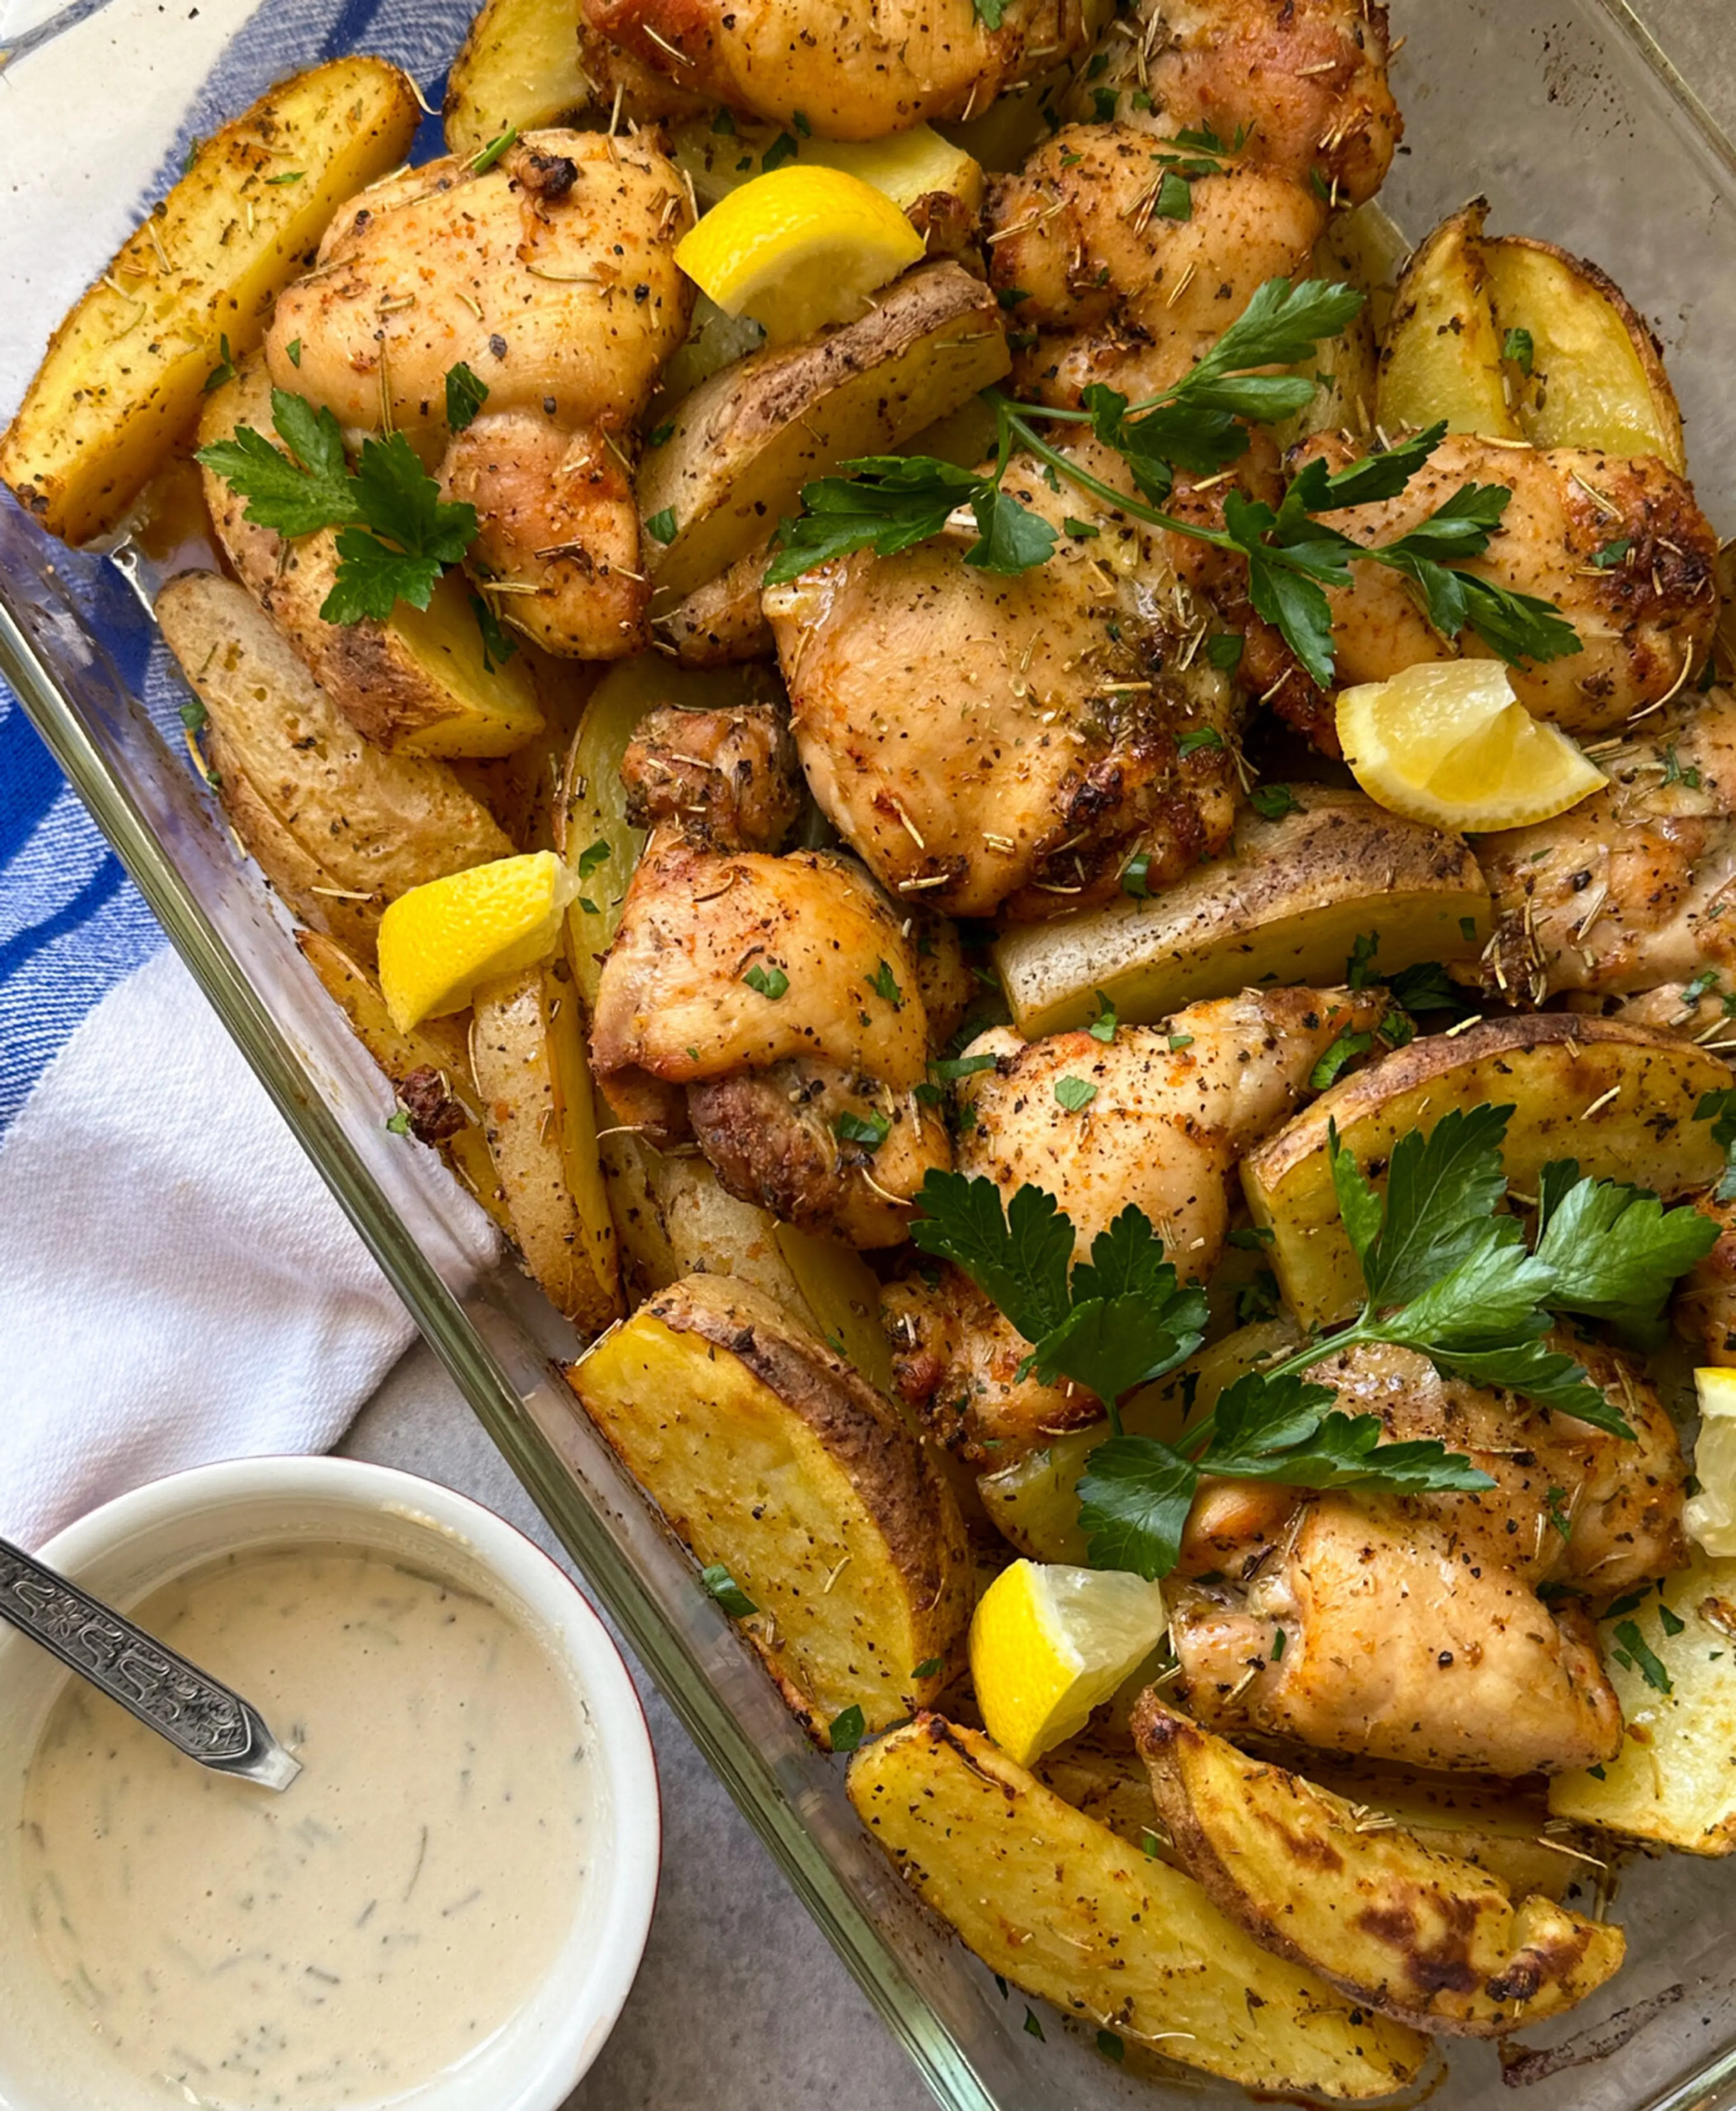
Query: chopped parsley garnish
{"x": 1636, "y": 1654}
{"x": 1519, "y": 346}
{"x": 224, "y": 370}
{"x": 728, "y": 1593}
{"x": 1074, "y": 1094}
{"x": 1272, "y": 802}
{"x": 848, "y": 1729}
{"x": 1102, "y": 1027}
{"x": 465, "y": 394}
{"x": 498, "y": 644}
{"x": 771, "y": 982}
{"x": 662, "y": 525}
{"x": 1337, "y": 1059}
{"x": 1197, "y": 737}
{"x": 399, "y": 1123}
{"x": 869, "y": 1130}
{"x": 884, "y": 983}
{"x": 1359, "y": 968}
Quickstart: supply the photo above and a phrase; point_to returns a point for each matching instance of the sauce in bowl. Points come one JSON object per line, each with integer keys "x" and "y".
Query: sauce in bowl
{"x": 378, "y": 1922}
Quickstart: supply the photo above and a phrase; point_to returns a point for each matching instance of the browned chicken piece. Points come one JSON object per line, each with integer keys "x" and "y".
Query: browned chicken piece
{"x": 1302, "y": 81}
{"x": 992, "y": 743}
{"x": 1116, "y": 292}
{"x": 1635, "y": 888}
{"x": 557, "y": 514}
{"x": 834, "y": 70}
{"x": 552, "y": 276}
{"x": 1413, "y": 1629}
{"x": 721, "y": 623}
{"x": 1645, "y": 624}
{"x": 1173, "y": 1107}
{"x": 799, "y": 1139}
{"x": 1704, "y": 1310}
{"x": 763, "y": 1004}
{"x": 727, "y": 778}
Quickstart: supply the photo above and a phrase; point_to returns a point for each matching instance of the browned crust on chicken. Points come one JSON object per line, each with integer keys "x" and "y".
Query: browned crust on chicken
{"x": 728, "y": 779}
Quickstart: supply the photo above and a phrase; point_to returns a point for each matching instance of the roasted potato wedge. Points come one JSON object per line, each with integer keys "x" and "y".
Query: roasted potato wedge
{"x": 428, "y": 1068}
{"x": 766, "y": 1452}
{"x": 594, "y": 834}
{"x": 520, "y": 65}
{"x": 906, "y": 165}
{"x": 421, "y": 684}
{"x": 747, "y": 441}
{"x": 1497, "y": 1825}
{"x": 1107, "y": 1781}
{"x": 1413, "y": 1934}
{"x": 1442, "y": 355}
{"x": 1673, "y": 1783}
{"x": 339, "y": 827}
{"x": 1060, "y": 1905}
{"x": 121, "y": 384}
{"x": 1585, "y": 369}
{"x": 674, "y": 1219}
{"x": 1598, "y": 377}
{"x": 1285, "y": 906}
{"x": 527, "y": 1054}
{"x": 1618, "y": 1097}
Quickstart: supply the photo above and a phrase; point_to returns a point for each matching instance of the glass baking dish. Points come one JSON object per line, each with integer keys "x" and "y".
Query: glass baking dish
{"x": 1567, "y": 115}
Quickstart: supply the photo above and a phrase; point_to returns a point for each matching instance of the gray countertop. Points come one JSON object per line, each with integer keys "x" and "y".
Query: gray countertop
{"x": 741, "y": 2005}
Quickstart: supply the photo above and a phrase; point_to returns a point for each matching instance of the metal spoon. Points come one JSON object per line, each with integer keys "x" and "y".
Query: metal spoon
{"x": 197, "y": 1716}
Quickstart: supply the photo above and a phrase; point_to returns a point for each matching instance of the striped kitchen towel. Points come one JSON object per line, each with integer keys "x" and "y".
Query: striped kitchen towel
{"x": 175, "y": 1283}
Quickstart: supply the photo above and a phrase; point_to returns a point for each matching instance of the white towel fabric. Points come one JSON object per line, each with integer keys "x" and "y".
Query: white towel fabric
{"x": 177, "y": 1285}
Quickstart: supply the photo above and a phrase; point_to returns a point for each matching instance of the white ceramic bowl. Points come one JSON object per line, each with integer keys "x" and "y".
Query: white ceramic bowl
{"x": 124, "y": 1549}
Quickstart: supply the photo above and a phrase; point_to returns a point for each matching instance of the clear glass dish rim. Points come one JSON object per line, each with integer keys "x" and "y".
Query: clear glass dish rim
{"x": 492, "y": 1395}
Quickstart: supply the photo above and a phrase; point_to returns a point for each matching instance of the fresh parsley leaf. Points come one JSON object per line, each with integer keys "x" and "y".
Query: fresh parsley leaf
{"x": 1614, "y": 1251}
{"x": 466, "y": 393}
{"x": 399, "y": 1123}
{"x": 1102, "y": 1027}
{"x": 926, "y": 1670}
{"x": 785, "y": 147}
{"x": 662, "y": 525}
{"x": 1017, "y": 1257}
{"x": 1225, "y": 650}
{"x": 848, "y": 1729}
{"x": 1134, "y": 1498}
{"x": 1074, "y": 1094}
{"x": 886, "y": 503}
{"x": 1649, "y": 1667}
{"x": 297, "y": 493}
{"x": 728, "y": 1593}
{"x": 1136, "y": 878}
{"x": 771, "y": 982}
{"x": 870, "y": 1130}
{"x": 1425, "y": 987}
{"x": 1012, "y": 539}
{"x": 1613, "y": 553}
{"x": 1273, "y": 801}
{"x": 372, "y": 579}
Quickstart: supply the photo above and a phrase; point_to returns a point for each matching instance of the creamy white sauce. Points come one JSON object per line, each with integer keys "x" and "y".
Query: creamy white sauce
{"x": 377, "y": 1922}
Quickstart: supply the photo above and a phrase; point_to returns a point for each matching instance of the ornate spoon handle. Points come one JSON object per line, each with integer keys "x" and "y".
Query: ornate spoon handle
{"x": 175, "y": 1698}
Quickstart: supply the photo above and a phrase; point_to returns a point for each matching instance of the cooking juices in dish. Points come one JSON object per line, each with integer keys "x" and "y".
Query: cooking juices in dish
{"x": 372, "y": 1926}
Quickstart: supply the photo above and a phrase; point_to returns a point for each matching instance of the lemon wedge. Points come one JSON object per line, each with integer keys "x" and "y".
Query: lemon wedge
{"x": 439, "y": 941}
{"x": 1448, "y": 742}
{"x": 798, "y": 248}
{"x": 1048, "y": 1644}
{"x": 1711, "y": 1515}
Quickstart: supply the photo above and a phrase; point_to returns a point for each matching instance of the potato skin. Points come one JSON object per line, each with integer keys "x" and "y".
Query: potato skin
{"x": 339, "y": 827}
{"x": 747, "y": 441}
{"x": 1416, "y": 1935}
{"x": 858, "y": 1568}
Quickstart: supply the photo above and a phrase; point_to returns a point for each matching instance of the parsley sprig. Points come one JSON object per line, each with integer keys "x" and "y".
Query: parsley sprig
{"x": 396, "y": 534}
{"x": 889, "y": 502}
{"x": 1448, "y": 1272}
